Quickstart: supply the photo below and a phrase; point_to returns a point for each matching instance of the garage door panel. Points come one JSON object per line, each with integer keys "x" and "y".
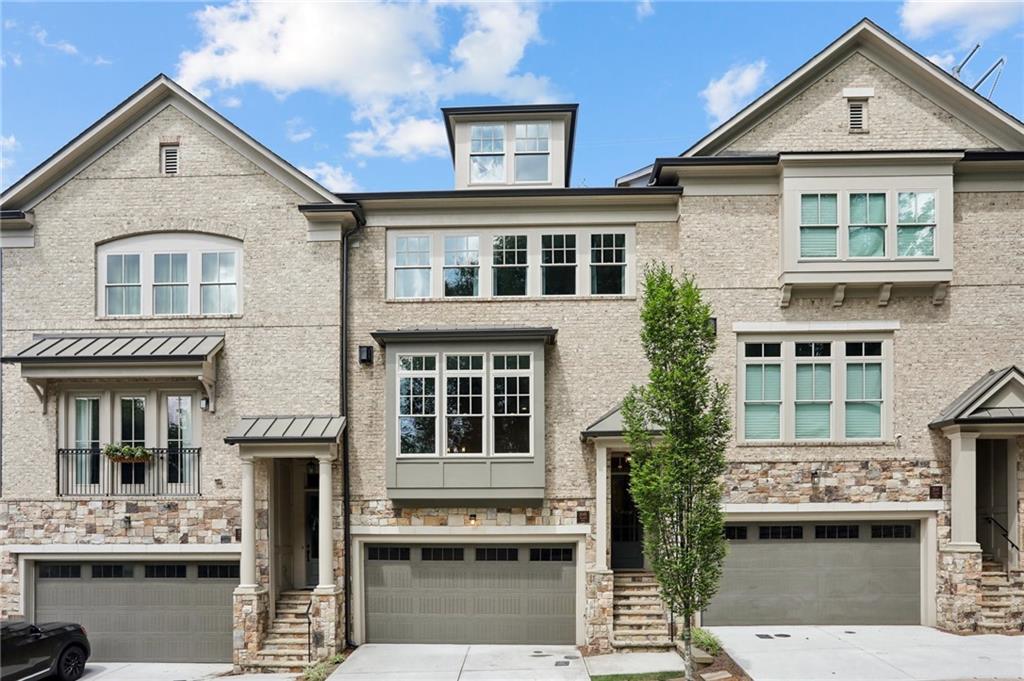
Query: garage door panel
{"x": 819, "y": 581}
{"x": 469, "y": 601}
{"x": 141, "y": 619}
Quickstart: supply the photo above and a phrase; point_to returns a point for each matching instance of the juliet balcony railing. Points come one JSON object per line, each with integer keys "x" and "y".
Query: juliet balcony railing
{"x": 90, "y": 473}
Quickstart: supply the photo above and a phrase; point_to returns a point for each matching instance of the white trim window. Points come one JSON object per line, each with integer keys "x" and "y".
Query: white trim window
{"x": 511, "y": 265}
{"x": 512, "y": 414}
{"x": 558, "y": 264}
{"x": 412, "y": 267}
{"x": 464, "y": 404}
{"x": 868, "y": 220}
{"x": 608, "y": 264}
{"x": 461, "y": 266}
{"x": 132, "y": 429}
{"x": 180, "y": 434}
{"x": 123, "y": 289}
{"x": 915, "y": 225}
{"x": 533, "y": 152}
{"x": 819, "y": 224}
{"x": 487, "y": 153}
{"x": 85, "y": 429}
{"x": 801, "y": 389}
{"x": 218, "y": 284}
{"x": 417, "y": 404}
{"x": 169, "y": 274}
{"x": 170, "y": 284}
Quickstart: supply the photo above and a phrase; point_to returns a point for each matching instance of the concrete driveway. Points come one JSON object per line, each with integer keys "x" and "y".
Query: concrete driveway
{"x": 410, "y": 662}
{"x": 152, "y": 671}
{"x": 870, "y": 653}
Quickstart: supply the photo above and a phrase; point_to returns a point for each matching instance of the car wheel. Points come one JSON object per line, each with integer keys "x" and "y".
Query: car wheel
{"x": 71, "y": 664}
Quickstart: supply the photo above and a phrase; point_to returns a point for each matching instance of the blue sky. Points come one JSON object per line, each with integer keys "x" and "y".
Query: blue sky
{"x": 350, "y": 92}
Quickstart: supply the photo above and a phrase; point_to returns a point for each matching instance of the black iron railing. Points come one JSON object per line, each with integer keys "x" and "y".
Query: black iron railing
{"x": 90, "y": 473}
{"x": 309, "y": 632}
{"x": 1005, "y": 532}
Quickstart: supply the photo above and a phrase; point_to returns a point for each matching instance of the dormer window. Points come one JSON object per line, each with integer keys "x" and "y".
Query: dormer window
{"x": 532, "y": 152}
{"x": 487, "y": 154}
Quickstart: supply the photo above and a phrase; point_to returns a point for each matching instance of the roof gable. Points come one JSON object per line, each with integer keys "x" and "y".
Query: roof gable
{"x": 997, "y": 397}
{"x": 128, "y": 116}
{"x": 895, "y": 57}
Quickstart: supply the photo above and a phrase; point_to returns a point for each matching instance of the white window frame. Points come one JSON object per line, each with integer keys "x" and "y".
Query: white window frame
{"x": 516, "y": 153}
{"x": 884, "y": 400}
{"x": 515, "y": 234}
{"x": 394, "y": 267}
{"x": 147, "y": 247}
{"x": 897, "y": 224}
{"x": 744, "y": 362}
{"x": 105, "y": 286}
{"x": 219, "y": 284}
{"x": 482, "y": 374}
{"x": 503, "y": 373}
{"x": 819, "y": 225}
{"x": 115, "y": 434}
{"x": 838, "y": 362}
{"x": 440, "y": 434}
{"x": 533, "y": 261}
{"x": 504, "y": 153}
{"x": 846, "y": 223}
{"x": 157, "y": 284}
{"x": 478, "y": 267}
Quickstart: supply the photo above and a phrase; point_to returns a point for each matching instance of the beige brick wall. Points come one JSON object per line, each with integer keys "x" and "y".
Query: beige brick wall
{"x": 898, "y": 117}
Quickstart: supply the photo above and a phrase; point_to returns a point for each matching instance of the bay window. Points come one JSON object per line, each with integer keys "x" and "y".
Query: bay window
{"x": 511, "y": 414}
{"x": 819, "y": 223}
{"x": 867, "y": 225}
{"x": 915, "y": 225}
{"x": 464, "y": 404}
{"x": 789, "y": 386}
{"x": 417, "y": 404}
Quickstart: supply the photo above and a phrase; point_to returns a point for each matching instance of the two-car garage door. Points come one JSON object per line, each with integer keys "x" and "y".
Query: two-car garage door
{"x": 850, "y": 572}
{"x": 143, "y": 612}
{"x": 470, "y": 594}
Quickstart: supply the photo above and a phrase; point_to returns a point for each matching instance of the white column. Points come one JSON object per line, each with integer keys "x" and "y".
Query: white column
{"x": 247, "y": 569}
{"x": 326, "y": 560}
{"x": 963, "y": 491}
{"x": 601, "y": 519}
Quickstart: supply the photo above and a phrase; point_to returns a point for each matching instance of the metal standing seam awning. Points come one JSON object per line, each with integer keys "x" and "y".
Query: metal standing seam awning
{"x": 287, "y": 430}
{"x": 611, "y": 424}
{"x": 981, "y": 405}
{"x": 53, "y": 357}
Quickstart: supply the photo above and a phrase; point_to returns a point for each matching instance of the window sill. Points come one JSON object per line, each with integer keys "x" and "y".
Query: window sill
{"x": 164, "y": 317}
{"x": 510, "y": 299}
{"x": 815, "y": 443}
{"x": 466, "y": 457}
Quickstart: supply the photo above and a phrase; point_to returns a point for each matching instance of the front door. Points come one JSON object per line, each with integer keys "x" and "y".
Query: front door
{"x": 992, "y": 501}
{"x": 627, "y": 533}
{"x": 312, "y": 543}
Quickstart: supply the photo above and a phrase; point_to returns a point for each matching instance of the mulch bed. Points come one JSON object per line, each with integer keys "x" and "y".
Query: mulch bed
{"x": 724, "y": 662}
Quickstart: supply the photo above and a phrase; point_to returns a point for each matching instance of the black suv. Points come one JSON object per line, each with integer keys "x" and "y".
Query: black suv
{"x": 35, "y": 651}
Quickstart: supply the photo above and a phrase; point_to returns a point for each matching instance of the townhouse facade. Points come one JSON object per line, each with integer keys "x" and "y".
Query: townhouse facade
{"x": 392, "y": 416}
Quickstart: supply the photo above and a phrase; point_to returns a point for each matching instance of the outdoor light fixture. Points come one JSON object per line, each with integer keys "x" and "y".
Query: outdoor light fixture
{"x": 472, "y": 518}
{"x": 366, "y": 354}
{"x": 204, "y": 404}
{"x": 714, "y": 325}
{"x": 127, "y": 522}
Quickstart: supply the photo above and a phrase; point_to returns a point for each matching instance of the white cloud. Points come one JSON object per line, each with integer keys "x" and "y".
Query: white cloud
{"x": 296, "y": 130}
{"x": 390, "y": 60}
{"x": 231, "y": 102}
{"x": 101, "y": 61}
{"x": 971, "y": 21}
{"x": 408, "y": 138}
{"x": 335, "y": 178}
{"x": 644, "y": 9}
{"x": 725, "y": 96}
{"x": 8, "y": 143}
{"x": 943, "y": 61}
{"x": 10, "y": 23}
{"x": 42, "y": 36}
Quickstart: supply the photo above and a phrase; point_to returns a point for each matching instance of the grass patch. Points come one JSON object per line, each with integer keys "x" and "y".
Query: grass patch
{"x": 322, "y": 669}
{"x": 706, "y": 641}
{"x": 653, "y": 676}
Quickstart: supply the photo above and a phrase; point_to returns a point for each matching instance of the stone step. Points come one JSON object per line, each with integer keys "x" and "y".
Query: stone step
{"x": 289, "y": 608}
{"x": 641, "y": 634}
{"x": 278, "y": 639}
{"x": 288, "y": 627}
{"x": 649, "y": 628}
{"x": 626, "y": 593}
{"x": 273, "y": 667}
{"x": 288, "y": 654}
{"x": 644, "y": 581}
{"x": 624, "y": 612}
{"x": 290, "y": 619}
{"x": 645, "y": 646}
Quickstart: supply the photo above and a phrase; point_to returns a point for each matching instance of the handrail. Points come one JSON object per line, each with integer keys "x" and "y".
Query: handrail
{"x": 165, "y": 471}
{"x": 309, "y": 632}
{"x": 1006, "y": 532}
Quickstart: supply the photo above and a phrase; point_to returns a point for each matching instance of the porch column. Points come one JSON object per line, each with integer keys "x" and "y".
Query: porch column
{"x": 963, "y": 491}
{"x": 601, "y": 519}
{"x": 247, "y": 569}
{"x": 326, "y": 559}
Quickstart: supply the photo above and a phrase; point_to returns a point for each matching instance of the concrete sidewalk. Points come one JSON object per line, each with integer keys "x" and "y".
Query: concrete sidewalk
{"x": 439, "y": 662}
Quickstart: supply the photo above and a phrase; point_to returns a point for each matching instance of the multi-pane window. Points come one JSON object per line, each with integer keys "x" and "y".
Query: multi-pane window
{"x": 510, "y": 265}
{"x": 813, "y": 391}
{"x": 218, "y": 571}
{"x": 780, "y": 532}
{"x": 532, "y": 152}
{"x": 915, "y": 225}
{"x": 550, "y": 555}
{"x": 417, "y": 404}
{"x": 166, "y": 571}
{"x": 387, "y": 553}
{"x": 819, "y": 224}
{"x": 867, "y": 225}
{"x": 487, "y": 153}
{"x": 464, "y": 404}
{"x": 607, "y": 263}
{"x": 448, "y": 553}
{"x": 762, "y": 390}
{"x": 412, "y": 267}
{"x": 59, "y": 571}
{"x": 497, "y": 554}
{"x": 461, "y": 266}
{"x": 179, "y": 437}
{"x": 112, "y": 571}
{"x": 87, "y": 440}
{"x": 735, "y": 532}
{"x": 512, "y": 398}
{"x": 133, "y": 432}
{"x": 124, "y": 285}
{"x": 863, "y": 390}
{"x": 558, "y": 264}
{"x": 218, "y": 287}
{"x": 892, "y": 531}
{"x": 836, "y": 531}
{"x": 170, "y": 283}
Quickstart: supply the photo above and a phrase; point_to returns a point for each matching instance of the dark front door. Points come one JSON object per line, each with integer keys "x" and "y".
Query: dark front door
{"x": 992, "y": 510}
{"x": 312, "y": 537}
{"x": 627, "y": 533}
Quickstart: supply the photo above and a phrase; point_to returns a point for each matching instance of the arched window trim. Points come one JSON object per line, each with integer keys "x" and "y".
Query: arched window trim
{"x": 181, "y": 294}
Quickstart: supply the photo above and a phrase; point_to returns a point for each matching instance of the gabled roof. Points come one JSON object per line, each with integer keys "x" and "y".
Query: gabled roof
{"x": 971, "y": 408}
{"x": 188, "y": 346}
{"x": 991, "y": 120}
{"x": 124, "y": 118}
{"x": 611, "y": 424}
{"x": 287, "y": 430}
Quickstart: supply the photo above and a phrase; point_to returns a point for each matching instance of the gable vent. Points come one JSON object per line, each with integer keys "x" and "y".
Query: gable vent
{"x": 169, "y": 159}
{"x": 857, "y": 111}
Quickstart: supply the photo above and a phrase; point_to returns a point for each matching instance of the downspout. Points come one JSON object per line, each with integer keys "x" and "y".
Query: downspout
{"x": 343, "y": 411}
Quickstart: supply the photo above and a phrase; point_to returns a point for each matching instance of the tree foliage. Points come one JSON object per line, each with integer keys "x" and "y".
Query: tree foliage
{"x": 677, "y": 426}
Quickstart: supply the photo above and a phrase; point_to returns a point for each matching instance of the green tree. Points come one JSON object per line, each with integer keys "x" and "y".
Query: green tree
{"x": 677, "y": 425}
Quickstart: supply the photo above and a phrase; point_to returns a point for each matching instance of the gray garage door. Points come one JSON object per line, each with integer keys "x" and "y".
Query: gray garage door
{"x": 817, "y": 573}
{"x": 470, "y": 594}
{"x": 143, "y": 612}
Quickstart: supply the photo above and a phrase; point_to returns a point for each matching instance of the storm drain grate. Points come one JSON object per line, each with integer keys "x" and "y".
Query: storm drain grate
{"x": 763, "y": 635}
{"x": 562, "y": 663}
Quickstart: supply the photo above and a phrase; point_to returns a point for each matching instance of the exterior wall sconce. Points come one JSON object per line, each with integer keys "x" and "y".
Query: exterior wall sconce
{"x": 366, "y": 354}
{"x": 204, "y": 404}
{"x": 127, "y": 522}
{"x": 472, "y": 519}
{"x": 714, "y": 325}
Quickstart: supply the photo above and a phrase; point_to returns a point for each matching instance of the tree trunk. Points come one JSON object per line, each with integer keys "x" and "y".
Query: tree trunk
{"x": 687, "y": 650}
